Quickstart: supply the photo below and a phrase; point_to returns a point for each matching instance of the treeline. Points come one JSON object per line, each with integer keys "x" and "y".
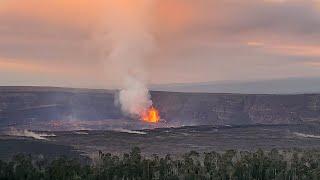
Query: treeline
{"x": 259, "y": 165}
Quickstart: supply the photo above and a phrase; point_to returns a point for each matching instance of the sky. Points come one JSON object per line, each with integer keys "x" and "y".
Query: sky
{"x": 65, "y": 42}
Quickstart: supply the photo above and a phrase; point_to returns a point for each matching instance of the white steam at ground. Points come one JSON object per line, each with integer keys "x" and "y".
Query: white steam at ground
{"x": 81, "y": 133}
{"x": 131, "y": 44}
{"x": 130, "y": 131}
{"x": 28, "y": 133}
{"x": 306, "y": 135}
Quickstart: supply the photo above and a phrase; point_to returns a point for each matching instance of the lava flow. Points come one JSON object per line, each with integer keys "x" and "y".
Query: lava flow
{"x": 151, "y": 115}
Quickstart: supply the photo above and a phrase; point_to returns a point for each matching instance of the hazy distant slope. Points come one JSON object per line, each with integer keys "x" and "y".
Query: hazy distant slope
{"x": 281, "y": 86}
{"x": 25, "y": 104}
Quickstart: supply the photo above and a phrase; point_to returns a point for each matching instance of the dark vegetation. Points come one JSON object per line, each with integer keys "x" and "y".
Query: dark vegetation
{"x": 259, "y": 165}
{"x": 11, "y": 147}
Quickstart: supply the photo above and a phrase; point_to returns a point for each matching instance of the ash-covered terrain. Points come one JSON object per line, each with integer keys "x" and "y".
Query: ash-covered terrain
{"x": 82, "y": 122}
{"x": 198, "y": 138}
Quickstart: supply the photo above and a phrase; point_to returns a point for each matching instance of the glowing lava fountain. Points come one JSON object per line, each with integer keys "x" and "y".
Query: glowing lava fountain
{"x": 151, "y": 115}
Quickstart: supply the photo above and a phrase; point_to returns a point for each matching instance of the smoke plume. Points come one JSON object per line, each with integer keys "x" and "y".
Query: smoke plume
{"x": 131, "y": 44}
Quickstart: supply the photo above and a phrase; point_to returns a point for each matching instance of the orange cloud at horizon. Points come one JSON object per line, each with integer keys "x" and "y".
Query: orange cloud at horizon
{"x": 29, "y": 66}
{"x": 168, "y": 15}
{"x": 206, "y": 37}
{"x": 75, "y": 15}
{"x": 304, "y": 50}
{"x": 287, "y": 48}
{"x": 313, "y": 64}
{"x": 175, "y": 15}
{"x": 57, "y": 10}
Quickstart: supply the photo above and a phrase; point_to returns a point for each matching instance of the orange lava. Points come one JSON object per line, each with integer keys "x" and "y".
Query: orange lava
{"x": 151, "y": 115}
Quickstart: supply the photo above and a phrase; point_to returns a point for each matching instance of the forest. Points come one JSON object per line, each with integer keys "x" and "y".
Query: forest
{"x": 291, "y": 164}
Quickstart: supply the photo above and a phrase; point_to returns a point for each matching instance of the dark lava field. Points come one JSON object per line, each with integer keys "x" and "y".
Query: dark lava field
{"x": 167, "y": 140}
{"x": 75, "y": 122}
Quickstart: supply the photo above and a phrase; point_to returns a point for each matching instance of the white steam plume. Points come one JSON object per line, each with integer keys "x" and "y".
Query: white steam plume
{"x": 132, "y": 43}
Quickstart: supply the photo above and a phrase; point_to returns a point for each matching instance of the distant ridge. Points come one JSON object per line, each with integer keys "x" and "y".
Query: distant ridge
{"x": 50, "y": 89}
{"x": 278, "y": 86}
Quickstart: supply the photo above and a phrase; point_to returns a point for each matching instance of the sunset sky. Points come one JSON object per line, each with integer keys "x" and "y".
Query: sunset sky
{"x": 63, "y": 42}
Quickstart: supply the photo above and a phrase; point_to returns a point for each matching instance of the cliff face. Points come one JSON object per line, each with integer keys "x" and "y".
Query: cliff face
{"x": 24, "y": 104}
{"x": 225, "y": 109}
